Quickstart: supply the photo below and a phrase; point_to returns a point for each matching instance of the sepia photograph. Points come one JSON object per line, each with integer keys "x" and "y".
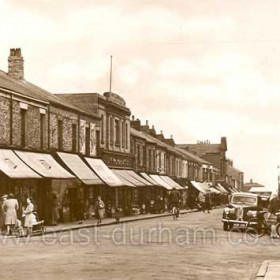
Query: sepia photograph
{"x": 140, "y": 139}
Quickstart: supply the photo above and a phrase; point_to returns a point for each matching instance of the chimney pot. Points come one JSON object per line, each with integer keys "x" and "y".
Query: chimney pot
{"x": 133, "y": 118}
{"x": 147, "y": 122}
{"x": 161, "y": 132}
{"x": 15, "y": 64}
{"x": 171, "y": 136}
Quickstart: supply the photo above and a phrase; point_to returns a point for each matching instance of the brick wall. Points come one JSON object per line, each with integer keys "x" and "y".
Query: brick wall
{"x": 4, "y": 121}
{"x": 68, "y": 118}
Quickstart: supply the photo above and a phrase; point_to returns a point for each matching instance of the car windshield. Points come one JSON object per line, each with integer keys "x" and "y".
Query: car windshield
{"x": 244, "y": 200}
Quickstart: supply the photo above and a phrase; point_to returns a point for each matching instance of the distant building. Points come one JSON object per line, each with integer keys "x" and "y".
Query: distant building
{"x": 260, "y": 191}
{"x": 216, "y": 155}
{"x": 251, "y": 184}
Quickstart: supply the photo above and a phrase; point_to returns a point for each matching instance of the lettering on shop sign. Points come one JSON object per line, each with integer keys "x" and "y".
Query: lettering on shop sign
{"x": 118, "y": 161}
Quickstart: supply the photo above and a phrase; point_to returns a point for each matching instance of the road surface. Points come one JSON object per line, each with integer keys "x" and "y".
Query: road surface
{"x": 192, "y": 247}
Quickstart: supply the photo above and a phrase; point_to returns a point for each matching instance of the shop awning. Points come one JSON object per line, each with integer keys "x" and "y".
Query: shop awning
{"x": 171, "y": 182}
{"x": 103, "y": 171}
{"x": 124, "y": 180}
{"x": 199, "y": 186}
{"x": 222, "y": 189}
{"x": 45, "y": 165}
{"x": 80, "y": 169}
{"x": 161, "y": 182}
{"x": 128, "y": 177}
{"x": 14, "y": 167}
{"x": 139, "y": 178}
{"x": 214, "y": 190}
{"x": 148, "y": 178}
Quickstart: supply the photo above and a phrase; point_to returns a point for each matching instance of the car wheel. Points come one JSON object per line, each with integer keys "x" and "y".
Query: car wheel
{"x": 256, "y": 228}
{"x": 226, "y": 226}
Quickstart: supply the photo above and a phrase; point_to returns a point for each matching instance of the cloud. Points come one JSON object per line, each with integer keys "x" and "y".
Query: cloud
{"x": 195, "y": 71}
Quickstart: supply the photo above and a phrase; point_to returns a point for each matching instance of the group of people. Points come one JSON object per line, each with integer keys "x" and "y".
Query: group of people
{"x": 10, "y": 220}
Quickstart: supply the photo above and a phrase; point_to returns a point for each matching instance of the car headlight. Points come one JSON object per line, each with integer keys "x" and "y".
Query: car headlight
{"x": 227, "y": 211}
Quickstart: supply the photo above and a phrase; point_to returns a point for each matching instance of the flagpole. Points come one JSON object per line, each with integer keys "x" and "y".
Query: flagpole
{"x": 111, "y": 65}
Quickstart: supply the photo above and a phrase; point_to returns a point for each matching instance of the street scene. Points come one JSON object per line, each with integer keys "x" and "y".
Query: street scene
{"x": 139, "y": 139}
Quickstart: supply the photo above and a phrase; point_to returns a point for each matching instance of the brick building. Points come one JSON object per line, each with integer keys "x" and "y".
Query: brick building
{"x": 216, "y": 155}
{"x": 36, "y": 124}
{"x": 78, "y": 146}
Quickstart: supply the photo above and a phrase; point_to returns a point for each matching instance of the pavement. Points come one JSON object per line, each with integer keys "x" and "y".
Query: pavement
{"x": 108, "y": 221}
{"x": 269, "y": 270}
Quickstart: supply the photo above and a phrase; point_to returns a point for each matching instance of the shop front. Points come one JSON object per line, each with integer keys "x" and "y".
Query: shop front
{"x": 90, "y": 186}
{"x": 112, "y": 194}
{"x": 18, "y": 178}
{"x": 55, "y": 183}
{"x": 128, "y": 194}
{"x": 137, "y": 194}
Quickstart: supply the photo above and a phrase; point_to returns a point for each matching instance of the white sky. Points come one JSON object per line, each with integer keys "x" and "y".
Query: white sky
{"x": 198, "y": 70}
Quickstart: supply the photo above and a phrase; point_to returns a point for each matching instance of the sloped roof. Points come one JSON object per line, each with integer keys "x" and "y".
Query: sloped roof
{"x": 232, "y": 170}
{"x": 193, "y": 157}
{"x": 253, "y": 185}
{"x": 201, "y": 149}
{"x": 30, "y": 90}
{"x": 183, "y": 153}
{"x": 142, "y": 135}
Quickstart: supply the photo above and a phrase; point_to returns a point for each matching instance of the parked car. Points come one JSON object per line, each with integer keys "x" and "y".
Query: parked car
{"x": 241, "y": 208}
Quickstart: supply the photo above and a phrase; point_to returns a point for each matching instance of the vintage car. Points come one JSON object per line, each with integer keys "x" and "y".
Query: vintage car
{"x": 241, "y": 208}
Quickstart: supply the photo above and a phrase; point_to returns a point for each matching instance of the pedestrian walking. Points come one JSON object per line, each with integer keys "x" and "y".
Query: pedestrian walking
{"x": 29, "y": 216}
{"x": 273, "y": 208}
{"x": 80, "y": 211}
{"x": 201, "y": 200}
{"x": 54, "y": 209}
{"x": 2, "y": 216}
{"x": 117, "y": 215}
{"x": 208, "y": 201}
{"x": 10, "y": 207}
{"x": 99, "y": 209}
{"x": 174, "y": 199}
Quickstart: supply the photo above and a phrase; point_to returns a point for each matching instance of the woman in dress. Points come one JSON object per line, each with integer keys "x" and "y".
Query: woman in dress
{"x": 99, "y": 209}
{"x": 10, "y": 207}
{"x": 28, "y": 212}
{"x": 2, "y": 216}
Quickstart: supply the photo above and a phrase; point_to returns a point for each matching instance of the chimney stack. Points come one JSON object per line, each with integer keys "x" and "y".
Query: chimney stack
{"x": 147, "y": 122}
{"x": 15, "y": 60}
